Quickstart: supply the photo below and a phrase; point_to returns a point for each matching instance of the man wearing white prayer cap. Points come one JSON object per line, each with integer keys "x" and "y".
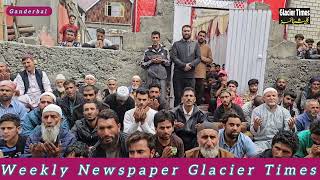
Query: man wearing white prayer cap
{"x": 268, "y": 118}
{"x": 59, "y": 88}
{"x": 49, "y": 140}
{"x": 33, "y": 118}
{"x": 120, "y": 102}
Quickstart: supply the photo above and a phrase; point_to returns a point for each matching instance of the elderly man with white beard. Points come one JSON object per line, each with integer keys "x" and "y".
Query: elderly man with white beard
{"x": 268, "y": 119}
{"x": 208, "y": 140}
{"x": 49, "y": 139}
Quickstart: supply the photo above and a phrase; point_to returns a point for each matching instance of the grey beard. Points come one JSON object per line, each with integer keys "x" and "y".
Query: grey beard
{"x": 50, "y": 134}
{"x": 60, "y": 89}
{"x": 209, "y": 153}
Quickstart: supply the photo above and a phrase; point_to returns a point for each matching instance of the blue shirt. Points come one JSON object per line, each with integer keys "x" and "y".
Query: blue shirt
{"x": 303, "y": 122}
{"x": 15, "y": 107}
{"x": 243, "y": 147}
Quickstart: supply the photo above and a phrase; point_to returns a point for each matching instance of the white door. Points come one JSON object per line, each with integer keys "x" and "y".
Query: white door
{"x": 248, "y": 33}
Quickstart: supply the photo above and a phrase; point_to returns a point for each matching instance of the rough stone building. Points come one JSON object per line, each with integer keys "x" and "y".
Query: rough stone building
{"x": 311, "y": 30}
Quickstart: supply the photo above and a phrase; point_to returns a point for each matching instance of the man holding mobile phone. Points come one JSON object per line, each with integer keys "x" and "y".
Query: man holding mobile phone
{"x": 168, "y": 145}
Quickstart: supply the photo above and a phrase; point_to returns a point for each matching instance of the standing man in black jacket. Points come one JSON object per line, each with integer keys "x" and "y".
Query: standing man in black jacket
{"x": 186, "y": 56}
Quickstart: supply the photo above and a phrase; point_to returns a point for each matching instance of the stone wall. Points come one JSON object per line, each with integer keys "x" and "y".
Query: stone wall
{"x": 281, "y": 61}
{"x": 75, "y": 62}
{"x": 311, "y": 30}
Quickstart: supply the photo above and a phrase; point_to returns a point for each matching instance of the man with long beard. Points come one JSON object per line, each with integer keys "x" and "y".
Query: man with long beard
{"x": 59, "y": 92}
{"x": 33, "y": 118}
{"x": 208, "y": 140}
{"x": 112, "y": 142}
{"x": 49, "y": 139}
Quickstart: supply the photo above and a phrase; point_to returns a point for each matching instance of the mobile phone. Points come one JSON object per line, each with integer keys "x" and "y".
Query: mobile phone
{"x": 292, "y": 113}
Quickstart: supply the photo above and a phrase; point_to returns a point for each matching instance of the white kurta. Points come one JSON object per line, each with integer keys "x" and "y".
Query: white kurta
{"x": 272, "y": 123}
{"x": 130, "y": 125}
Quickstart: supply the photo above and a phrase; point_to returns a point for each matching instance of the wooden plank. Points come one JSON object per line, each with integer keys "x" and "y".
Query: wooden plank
{"x": 21, "y": 26}
{"x": 2, "y": 24}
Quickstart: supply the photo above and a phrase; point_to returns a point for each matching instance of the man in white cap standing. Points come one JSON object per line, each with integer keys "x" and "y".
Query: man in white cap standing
{"x": 268, "y": 118}
{"x": 120, "y": 102}
{"x": 59, "y": 91}
{"x": 33, "y": 118}
{"x": 7, "y": 104}
{"x": 49, "y": 139}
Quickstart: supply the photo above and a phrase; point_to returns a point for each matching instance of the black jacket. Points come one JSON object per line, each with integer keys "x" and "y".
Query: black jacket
{"x": 78, "y": 110}
{"x": 98, "y": 152}
{"x": 220, "y": 112}
{"x": 65, "y": 102}
{"x": 265, "y": 154}
{"x": 118, "y": 108}
{"x": 84, "y": 133}
{"x": 182, "y": 53}
{"x": 188, "y": 133}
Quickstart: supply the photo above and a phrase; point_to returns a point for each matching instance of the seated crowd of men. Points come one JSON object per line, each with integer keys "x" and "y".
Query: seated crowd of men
{"x": 137, "y": 121}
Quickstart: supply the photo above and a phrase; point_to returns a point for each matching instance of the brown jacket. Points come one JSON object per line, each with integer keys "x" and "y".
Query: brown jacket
{"x": 206, "y": 58}
{"x": 195, "y": 153}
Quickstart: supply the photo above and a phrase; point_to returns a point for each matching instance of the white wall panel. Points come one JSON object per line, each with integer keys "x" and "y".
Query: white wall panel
{"x": 182, "y": 16}
{"x": 248, "y": 33}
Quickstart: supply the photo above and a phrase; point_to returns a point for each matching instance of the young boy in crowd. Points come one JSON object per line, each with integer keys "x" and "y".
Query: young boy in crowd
{"x": 301, "y": 46}
{"x": 310, "y": 51}
{"x": 12, "y": 145}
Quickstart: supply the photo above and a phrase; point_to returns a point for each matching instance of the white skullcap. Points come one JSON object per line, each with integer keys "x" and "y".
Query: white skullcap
{"x": 53, "y": 108}
{"x": 60, "y": 77}
{"x": 136, "y": 77}
{"x": 270, "y": 89}
{"x": 49, "y": 94}
{"x": 89, "y": 76}
{"x": 122, "y": 93}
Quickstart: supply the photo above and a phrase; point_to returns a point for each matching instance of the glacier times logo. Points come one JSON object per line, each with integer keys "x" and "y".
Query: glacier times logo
{"x": 28, "y": 11}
